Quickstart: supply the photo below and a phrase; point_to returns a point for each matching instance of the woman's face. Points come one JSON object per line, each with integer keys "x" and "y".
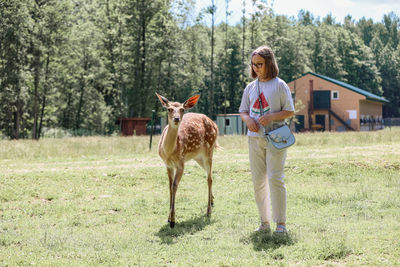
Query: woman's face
{"x": 258, "y": 65}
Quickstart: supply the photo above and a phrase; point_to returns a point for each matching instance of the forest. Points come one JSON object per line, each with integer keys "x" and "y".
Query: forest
{"x": 78, "y": 66}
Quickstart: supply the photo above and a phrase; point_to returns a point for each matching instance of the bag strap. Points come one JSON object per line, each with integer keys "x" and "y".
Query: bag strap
{"x": 260, "y": 103}
{"x": 261, "y": 109}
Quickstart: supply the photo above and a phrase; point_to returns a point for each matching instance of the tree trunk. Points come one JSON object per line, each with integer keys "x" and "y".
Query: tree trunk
{"x": 17, "y": 113}
{"x": 41, "y": 115}
{"x": 66, "y": 118}
{"x": 82, "y": 85}
{"x": 46, "y": 87}
{"x": 78, "y": 114}
{"x": 143, "y": 58}
{"x": 225, "y": 87}
{"x": 243, "y": 40}
{"x": 211, "y": 92}
{"x": 109, "y": 43}
{"x": 140, "y": 62}
{"x": 15, "y": 130}
{"x": 35, "y": 94}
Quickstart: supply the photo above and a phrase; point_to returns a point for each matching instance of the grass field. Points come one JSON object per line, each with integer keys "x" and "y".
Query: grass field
{"x": 104, "y": 201}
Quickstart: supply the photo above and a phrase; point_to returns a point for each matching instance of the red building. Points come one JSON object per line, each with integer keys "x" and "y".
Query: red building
{"x": 133, "y": 126}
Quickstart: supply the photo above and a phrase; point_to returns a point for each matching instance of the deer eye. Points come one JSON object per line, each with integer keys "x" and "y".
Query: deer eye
{"x": 170, "y": 110}
{"x": 182, "y": 110}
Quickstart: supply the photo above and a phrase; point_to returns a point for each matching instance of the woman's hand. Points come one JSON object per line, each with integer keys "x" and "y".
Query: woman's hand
{"x": 265, "y": 119}
{"x": 252, "y": 125}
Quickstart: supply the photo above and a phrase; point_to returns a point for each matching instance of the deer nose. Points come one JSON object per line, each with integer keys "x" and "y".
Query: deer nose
{"x": 176, "y": 119}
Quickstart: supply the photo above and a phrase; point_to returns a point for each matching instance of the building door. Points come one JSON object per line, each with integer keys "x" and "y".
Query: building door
{"x": 322, "y": 99}
{"x": 300, "y": 123}
{"x": 320, "y": 119}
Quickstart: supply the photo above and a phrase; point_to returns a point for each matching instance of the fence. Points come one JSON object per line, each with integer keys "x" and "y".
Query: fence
{"x": 389, "y": 122}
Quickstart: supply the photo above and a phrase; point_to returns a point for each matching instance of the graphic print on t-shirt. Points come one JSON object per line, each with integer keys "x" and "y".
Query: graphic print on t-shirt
{"x": 264, "y": 103}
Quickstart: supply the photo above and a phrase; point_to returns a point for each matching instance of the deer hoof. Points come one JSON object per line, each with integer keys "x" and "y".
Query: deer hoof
{"x": 172, "y": 224}
{"x": 208, "y": 212}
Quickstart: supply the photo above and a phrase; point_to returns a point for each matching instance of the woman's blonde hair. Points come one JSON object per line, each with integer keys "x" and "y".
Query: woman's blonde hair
{"x": 271, "y": 66}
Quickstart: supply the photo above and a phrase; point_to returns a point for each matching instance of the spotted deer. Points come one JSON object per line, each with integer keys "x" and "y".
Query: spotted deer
{"x": 187, "y": 136}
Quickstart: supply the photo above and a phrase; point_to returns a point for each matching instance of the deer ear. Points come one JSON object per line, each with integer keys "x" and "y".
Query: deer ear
{"x": 191, "y": 102}
{"x": 163, "y": 100}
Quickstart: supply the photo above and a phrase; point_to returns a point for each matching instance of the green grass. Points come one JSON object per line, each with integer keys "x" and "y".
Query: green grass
{"x": 104, "y": 201}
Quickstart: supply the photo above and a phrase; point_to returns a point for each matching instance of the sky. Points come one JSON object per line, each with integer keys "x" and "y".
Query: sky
{"x": 374, "y": 9}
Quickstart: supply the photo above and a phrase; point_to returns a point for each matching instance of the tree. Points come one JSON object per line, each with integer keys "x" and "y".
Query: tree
{"x": 325, "y": 58}
{"x": 388, "y": 61}
{"x": 111, "y": 23}
{"x": 383, "y": 39}
{"x": 366, "y": 28}
{"x": 13, "y": 62}
{"x": 358, "y": 62}
{"x": 259, "y": 8}
{"x": 305, "y": 18}
{"x": 392, "y": 24}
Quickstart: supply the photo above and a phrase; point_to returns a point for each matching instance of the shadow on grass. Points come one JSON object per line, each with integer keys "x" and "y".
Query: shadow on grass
{"x": 190, "y": 226}
{"x": 263, "y": 241}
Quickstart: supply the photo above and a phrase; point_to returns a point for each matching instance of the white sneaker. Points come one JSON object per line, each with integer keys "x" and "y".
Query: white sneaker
{"x": 280, "y": 229}
{"x": 263, "y": 227}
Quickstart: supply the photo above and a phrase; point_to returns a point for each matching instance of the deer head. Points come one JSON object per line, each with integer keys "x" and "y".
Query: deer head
{"x": 176, "y": 109}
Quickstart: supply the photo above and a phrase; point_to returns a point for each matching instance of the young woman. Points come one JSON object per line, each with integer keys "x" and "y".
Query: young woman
{"x": 270, "y": 96}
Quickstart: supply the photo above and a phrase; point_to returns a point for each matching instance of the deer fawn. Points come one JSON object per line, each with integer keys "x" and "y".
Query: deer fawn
{"x": 187, "y": 136}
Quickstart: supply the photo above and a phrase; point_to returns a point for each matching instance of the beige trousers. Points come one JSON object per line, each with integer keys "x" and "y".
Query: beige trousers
{"x": 268, "y": 165}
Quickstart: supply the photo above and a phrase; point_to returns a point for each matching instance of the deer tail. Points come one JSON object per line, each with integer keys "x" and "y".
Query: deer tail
{"x": 218, "y": 147}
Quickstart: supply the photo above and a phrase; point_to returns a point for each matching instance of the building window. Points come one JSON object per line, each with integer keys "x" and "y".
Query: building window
{"x": 227, "y": 122}
{"x": 335, "y": 95}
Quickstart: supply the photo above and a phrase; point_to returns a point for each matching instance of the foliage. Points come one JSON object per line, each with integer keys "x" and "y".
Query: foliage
{"x": 81, "y": 65}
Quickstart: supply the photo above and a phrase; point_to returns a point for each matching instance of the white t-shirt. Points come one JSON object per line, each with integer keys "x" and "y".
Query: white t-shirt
{"x": 275, "y": 95}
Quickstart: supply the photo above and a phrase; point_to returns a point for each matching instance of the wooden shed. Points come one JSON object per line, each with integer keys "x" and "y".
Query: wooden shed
{"x": 231, "y": 124}
{"x": 329, "y": 104}
{"x": 131, "y": 126}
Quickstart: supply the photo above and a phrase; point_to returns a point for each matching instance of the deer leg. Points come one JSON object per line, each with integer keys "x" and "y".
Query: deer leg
{"x": 170, "y": 172}
{"x": 209, "y": 180}
{"x": 205, "y": 164}
{"x": 174, "y": 188}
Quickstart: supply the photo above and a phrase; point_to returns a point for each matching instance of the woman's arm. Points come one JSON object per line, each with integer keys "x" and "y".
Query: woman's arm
{"x": 269, "y": 117}
{"x": 252, "y": 125}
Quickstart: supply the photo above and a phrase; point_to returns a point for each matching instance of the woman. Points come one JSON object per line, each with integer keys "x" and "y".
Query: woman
{"x": 270, "y": 96}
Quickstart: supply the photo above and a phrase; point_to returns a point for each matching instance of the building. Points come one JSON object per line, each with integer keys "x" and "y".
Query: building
{"x": 231, "y": 124}
{"x": 227, "y": 124}
{"x": 328, "y": 104}
{"x": 133, "y": 126}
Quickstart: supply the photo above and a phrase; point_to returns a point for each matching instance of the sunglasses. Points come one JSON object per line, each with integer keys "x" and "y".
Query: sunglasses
{"x": 257, "y": 65}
